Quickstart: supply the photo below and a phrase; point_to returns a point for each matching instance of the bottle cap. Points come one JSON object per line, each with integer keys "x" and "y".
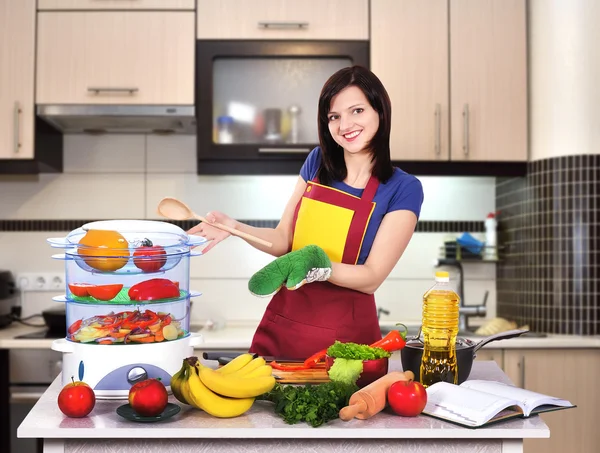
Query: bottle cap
{"x": 442, "y": 276}
{"x": 225, "y": 120}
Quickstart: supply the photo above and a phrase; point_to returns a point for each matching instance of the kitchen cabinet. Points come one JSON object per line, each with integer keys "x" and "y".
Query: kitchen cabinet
{"x": 124, "y": 57}
{"x": 283, "y": 20}
{"x": 564, "y": 373}
{"x": 497, "y": 355}
{"x": 409, "y": 53}
{"x": 17, "y": 66}
{"x": 456, "y": 73}
{"x": 488, "y": 73}
{"x": 115, "y": 4}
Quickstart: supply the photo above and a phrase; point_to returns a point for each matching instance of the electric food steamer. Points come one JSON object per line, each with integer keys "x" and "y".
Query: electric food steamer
{"x": 127, "y": 303}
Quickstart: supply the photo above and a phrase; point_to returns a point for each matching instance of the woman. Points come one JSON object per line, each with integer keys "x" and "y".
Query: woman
{"x": 350, "y": 201}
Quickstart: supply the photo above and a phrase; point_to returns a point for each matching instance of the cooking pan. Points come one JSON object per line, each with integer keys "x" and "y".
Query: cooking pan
{"x": 466, "y": 351}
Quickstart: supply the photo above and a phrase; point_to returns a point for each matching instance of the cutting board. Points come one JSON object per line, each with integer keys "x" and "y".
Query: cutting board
{"x": 311, "y": 376}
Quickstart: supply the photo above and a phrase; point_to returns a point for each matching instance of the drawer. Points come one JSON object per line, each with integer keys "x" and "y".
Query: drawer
{"x": 283, "y": 19}
{"x": 119, "y": 57}
{"x": 50, "y": 5}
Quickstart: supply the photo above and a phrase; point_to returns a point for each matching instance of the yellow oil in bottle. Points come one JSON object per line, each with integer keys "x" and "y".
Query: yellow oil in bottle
{"x": 440, "y": 329}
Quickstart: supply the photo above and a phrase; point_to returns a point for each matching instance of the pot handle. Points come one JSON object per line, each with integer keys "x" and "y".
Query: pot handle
{"x": 62, "y": 345}
{"x": 499, "y": 336}
{"x": 196, "y": 339}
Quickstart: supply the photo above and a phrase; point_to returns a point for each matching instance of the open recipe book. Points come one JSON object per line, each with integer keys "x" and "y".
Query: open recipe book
{"x": 477, "y": 403}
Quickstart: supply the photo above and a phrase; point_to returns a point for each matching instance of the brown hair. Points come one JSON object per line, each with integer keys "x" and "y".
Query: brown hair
{"x": 333, "y": 166}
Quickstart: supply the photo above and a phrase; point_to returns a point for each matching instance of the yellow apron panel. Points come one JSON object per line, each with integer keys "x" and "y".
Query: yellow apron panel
{"x": 322, "y": 224}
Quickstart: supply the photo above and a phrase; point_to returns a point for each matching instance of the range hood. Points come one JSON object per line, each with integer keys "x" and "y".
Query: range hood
{"x": 98, "y": 119}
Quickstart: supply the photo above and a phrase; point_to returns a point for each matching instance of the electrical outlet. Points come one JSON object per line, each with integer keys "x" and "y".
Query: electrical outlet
{"x": 40, "y": 281}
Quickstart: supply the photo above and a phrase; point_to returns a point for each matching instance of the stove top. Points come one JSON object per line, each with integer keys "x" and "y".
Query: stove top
{"x": 41, "y": 334}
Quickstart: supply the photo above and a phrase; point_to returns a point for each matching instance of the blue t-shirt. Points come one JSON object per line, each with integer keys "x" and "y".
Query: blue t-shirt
{"x": 401, "y": 192}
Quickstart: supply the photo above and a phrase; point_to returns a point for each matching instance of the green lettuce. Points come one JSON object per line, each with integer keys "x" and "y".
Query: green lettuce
{"x": 355, "y": 351}
{"x": 346, "y": 371}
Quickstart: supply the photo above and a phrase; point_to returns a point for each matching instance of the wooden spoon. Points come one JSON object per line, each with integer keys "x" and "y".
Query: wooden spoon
{"x": 173, "y": 209}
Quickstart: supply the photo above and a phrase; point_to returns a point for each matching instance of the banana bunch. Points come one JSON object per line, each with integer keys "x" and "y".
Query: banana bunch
{"x": 226, "y": 392}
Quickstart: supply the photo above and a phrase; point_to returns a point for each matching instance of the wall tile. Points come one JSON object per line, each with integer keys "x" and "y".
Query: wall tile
{"x": 104, "y": 154}
{"x": 171, "y": 154}
{"x": 546, "y": 277}
{"x": 75, "y": 195}
{"x": 457, "y": 198}
{"x": 242, "y": 197}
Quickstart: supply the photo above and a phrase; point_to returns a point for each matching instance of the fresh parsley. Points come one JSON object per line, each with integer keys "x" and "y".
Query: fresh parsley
{"x": 314, "y": 404}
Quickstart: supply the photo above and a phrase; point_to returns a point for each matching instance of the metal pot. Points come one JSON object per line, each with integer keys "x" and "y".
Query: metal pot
{"x": 466, "y": 351}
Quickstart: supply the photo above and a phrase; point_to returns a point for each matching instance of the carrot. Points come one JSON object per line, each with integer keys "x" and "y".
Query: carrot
{"x": 148, "y": 339}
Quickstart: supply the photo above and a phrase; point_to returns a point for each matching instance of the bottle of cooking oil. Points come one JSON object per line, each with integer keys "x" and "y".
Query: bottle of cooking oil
{"x": 440, "y": 328}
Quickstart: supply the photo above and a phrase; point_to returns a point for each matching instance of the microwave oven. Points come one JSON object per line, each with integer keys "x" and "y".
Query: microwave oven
{"x": 256, "y": 101}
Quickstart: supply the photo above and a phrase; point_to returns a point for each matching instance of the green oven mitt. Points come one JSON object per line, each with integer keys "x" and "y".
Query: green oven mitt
{"x": 306, "y": 265}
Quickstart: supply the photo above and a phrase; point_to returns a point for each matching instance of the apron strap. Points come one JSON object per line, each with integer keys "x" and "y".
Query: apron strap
{"x": 370, "y": 190}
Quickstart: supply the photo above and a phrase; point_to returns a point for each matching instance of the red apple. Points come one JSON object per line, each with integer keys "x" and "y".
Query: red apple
{"x": 76, "y": 399}
{"x": 407, "y": 398}
{"x": 148, "y": 398}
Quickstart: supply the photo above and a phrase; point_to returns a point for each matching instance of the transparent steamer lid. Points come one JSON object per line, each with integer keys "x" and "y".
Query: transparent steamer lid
{"x": 127, "y": 246}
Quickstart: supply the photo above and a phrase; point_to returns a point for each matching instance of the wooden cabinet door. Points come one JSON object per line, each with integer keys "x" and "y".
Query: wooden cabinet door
{"x": 564, "y": 373}
{"x": 283, "y": 19}
{"x": 488, "y": 73}
{"x": 115, "y": 4}
{"x": 409, "y": 53}
{"x": 17, "y": 66}
{"x": 119, "y": 57}
{"x": 496, "y": 355}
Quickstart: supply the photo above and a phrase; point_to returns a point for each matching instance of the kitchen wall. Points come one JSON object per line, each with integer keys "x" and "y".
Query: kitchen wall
{"x": 550, "y": 272}
{"x": 125, "y": 176}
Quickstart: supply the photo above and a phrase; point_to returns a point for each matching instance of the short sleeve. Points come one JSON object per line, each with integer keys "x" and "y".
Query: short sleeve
{"x": 409, "y": 196}
{"x": 311, "y": 164}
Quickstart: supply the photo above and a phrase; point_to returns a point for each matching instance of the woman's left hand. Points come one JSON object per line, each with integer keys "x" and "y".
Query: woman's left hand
{"x": 212, "y": 234}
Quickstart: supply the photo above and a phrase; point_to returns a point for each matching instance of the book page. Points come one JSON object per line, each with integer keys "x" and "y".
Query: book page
{"x": 529, "y": 400}
{"x": 464, "y": 405}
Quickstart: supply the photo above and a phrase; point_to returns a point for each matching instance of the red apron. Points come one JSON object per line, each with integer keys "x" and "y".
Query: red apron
{"x": 298, "y": 323}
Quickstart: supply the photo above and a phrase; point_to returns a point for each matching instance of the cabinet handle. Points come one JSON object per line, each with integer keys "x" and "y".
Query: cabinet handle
{"x": 17, "y": 132}
{"x": 522, "y": 366}
{"x": 466, "y": 129}
{"x": 438, "y": 129}
{"x": 283, "y": 150}
{"x": 279, "y": 25}
{"x": 97, "y": 90}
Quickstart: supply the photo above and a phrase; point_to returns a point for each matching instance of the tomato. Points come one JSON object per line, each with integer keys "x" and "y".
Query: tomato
{"x": 105, "y": 292}
{"x": 149, "y": 257}
{"x": 407, "y": 398}
{"x": 80, "y": 289}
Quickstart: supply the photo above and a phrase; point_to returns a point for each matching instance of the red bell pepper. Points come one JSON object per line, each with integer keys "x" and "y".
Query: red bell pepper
{"x": 277, "y": 366}
{"x": 393, "y": 341}
{"x": 315, "y": 358}
{"x": 154, "y": 289}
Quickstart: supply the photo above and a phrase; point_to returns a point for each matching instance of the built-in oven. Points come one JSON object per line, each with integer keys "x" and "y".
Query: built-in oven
{"x": 256, "y": 101}
{"x": 31, "y": 371}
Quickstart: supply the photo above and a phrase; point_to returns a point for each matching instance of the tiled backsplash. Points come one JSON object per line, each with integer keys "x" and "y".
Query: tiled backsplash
{"x": 550, "y": 225}
{"x": 125, "y": 176}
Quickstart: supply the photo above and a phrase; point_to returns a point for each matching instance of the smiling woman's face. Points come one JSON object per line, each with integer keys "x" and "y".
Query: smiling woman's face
{"x": 352, "y": 120}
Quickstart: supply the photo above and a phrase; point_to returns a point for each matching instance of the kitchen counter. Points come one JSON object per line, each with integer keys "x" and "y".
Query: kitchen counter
{"x": 239, "y": 336}
{"x": 259, "y": 428}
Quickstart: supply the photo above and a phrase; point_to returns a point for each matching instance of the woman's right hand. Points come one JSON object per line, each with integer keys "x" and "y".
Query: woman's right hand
{"x": 211, "y": 233}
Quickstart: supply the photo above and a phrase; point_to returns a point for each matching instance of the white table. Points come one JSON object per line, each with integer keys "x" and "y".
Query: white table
{"x": 259, "y": 429}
